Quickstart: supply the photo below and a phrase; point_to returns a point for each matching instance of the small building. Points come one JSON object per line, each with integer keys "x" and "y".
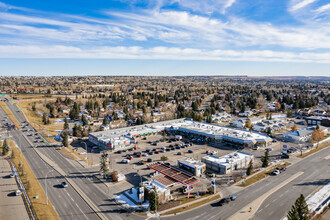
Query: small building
{"x": 196, "y": 167}
{"x": 317, "y": 120}
{"x": 228, "y": 163}
{"x": 302, "y": 135}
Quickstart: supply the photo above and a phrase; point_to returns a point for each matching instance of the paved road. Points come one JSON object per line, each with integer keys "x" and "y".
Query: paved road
{"x": 93, "y": 188}
{"x": 315, "y": 170}
{"x": 316, "y": 173}
{"x": 11, "y": 207}
{"x": 66, "y": 201}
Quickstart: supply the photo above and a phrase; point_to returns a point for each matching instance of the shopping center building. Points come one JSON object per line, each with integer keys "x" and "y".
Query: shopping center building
{"x": 198, "y": 131}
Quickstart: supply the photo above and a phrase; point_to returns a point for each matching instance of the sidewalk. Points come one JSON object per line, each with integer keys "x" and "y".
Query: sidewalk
{"x": 70, "y": 181}
{"x": 11, "y": 206}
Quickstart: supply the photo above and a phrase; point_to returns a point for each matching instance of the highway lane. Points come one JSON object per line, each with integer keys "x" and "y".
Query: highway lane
{"x": 275, "y": 207}
{"x": 92, "y": 187}
{"x": 66, "y": 201}
{"x": 315, "y": 170}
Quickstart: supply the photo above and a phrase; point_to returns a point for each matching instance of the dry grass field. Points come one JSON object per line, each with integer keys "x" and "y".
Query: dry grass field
{"x": 39, "y": 206}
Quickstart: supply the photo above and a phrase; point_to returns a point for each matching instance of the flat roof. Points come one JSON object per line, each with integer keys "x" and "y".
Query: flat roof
{"x": 191, "y": 162}
{"x": 186, "y": 125}
{"x": 228, "y": 158}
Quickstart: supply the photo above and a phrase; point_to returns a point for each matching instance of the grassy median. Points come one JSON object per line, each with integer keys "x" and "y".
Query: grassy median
{"x": 314, "y": 150}
{"x": 194, "y": 205}
{"x": 33, "y": 187}
{"x": 263, "y": 174}
{"x": 10, "y": 115}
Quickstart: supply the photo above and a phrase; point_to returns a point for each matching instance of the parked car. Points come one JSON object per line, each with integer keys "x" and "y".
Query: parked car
{"x": 190, "y": 151}
{"x": 269, "y": 149}
{"x": 157, "y": 152}
{"x": 151, "y": 153}
{"x": 149, "y": 160}
{"x": 155, "y": 149}
{"x": 64, "y": 184}
{"x": 276, "y": 172}
{"x": 179, "y": 153}
{"x": 141, "y": 162}
{"x": 12, "y": 175}
{"x": 125, "y": 161}
{"x": 285, "y": 156}
{"x": 145, "y": 154}
{"x": 178, "y": 147}
{"x": 224, "y": 201}
{"x": 18, "y": 192}
{"x": 283, "y": 169}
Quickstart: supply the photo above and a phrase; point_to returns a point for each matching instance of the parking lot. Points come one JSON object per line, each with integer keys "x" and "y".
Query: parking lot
{"x": 151, "y": 148}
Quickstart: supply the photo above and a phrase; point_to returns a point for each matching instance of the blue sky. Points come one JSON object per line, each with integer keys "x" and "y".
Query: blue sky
{"x": 253, "y": 37}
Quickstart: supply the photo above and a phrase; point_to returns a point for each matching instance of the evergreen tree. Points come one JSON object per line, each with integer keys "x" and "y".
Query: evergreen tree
{"x": 299, "y": 210}
{"x": 250, "y": 168}
{"x": 105, "y": 121}
{"x": 5, "y": 147}
{"x": 84, "y": 120}
{"x": 103, "y": 164}
{"x": 153, "y": 200}
{"x": 66, "y": 125}
{"x": 65, "y": 140}
{"x": 265, "y": 159}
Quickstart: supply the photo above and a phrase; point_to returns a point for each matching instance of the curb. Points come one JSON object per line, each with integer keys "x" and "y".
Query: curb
{"x": 74, "y": 186}
{"x": 187, "y": 204}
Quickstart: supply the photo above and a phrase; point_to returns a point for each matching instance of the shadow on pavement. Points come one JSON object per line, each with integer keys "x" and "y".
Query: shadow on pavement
{"x": 317, "y": 182}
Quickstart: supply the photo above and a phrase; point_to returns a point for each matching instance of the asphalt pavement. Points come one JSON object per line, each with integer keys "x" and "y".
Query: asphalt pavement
{"x": 66, "y": 201}
{"x": 315, "y": 168}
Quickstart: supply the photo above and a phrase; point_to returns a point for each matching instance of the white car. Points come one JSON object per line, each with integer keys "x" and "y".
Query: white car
{"x": 18, "y": 192}
{"x": 276, "y": 172}
{"x": 145, "y": 154}
{"x": 84, "y": 152}
{"x": 125, "y": 161}
{"x": 213, "y": 152}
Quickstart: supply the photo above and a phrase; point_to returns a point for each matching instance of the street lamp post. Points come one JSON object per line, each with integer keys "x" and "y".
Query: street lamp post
{"x": 46, "y": 186}
{"x": 86, "y": 153}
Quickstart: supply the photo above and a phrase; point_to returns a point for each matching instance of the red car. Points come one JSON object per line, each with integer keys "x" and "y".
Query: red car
{"x": 157, "y": 152}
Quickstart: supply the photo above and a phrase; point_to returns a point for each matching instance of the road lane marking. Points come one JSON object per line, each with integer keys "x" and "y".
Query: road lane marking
{"x": 245, "y": 214}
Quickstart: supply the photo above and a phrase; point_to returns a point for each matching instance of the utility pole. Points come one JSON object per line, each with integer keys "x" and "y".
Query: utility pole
{"x": 86, "y": 153}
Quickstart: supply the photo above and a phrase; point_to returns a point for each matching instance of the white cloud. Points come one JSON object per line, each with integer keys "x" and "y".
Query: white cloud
{"x": 207, "y": 6}
{"x": 228, "y": 5}
{"x": 323, "y": 8}
{"x": 301, "y": 4}
{"x": 165, "y": 53}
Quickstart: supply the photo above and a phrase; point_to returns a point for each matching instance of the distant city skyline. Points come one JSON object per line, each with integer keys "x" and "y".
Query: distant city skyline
{"x": 165, "y": 37}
